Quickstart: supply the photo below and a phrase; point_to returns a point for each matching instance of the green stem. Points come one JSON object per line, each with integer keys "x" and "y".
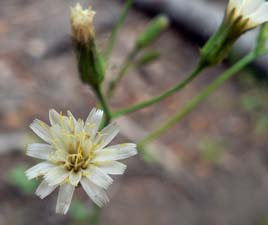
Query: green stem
{"x": 199, "y": 98}
{"x": 104, "y": 105}
{"x": 122, "y": 72}
{"x": 162, "y": 96}
{"x": 116, "y": 29}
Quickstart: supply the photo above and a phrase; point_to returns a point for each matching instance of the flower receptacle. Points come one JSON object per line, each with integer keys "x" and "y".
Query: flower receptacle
{"x": 91, "y": 64}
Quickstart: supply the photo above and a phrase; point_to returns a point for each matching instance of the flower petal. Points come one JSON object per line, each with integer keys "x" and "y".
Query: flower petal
{"x": 112, "y": 167}
{"x": 54, "y": 117}
{"x": 64, "y": 198}
{"x": 106, "y": 135}
{"x": 59, "y": 137}
{"x": 38, "y": 170}
{"x": 41, "y": 129}
{"x": 93, "y": 122}
{"x": 40, "y": 151}
{"x": 67, "y": 124}
{"x": 56, "y": 175}
{"x": 43, "y": 190}
{"x": 116, "y": 152}
{"x": 79, "y": 126}
{"x": 86, "y": 146}
{"x": 235, "y": 4}
{"x": 75, "y": 177}
{"x": 97, "y": 194}
{"x": 260, "y": 15}
{"x": 250, "y": 6}
{"x": 61, "y": 140}
{"x": 98, "y": 177}
{"x": 72, "y": 117}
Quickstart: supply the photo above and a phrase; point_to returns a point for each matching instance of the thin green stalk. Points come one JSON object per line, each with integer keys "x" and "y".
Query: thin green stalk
{"x": 104, "y": 105}
{"x": 162, "y": 96}
{"x": 199, "y": 98}
{"x": 116, "y": 29}
{"x": 128, "y": 63}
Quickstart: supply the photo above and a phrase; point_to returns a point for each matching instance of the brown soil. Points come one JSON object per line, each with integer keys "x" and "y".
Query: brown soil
{"x": 222, "y": 144}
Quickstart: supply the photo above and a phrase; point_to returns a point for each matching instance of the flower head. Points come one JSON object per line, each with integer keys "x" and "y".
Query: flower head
{"x": 76, "y": 153}
{"x": 82, "y": 23}
{"x": 248, "y": 13}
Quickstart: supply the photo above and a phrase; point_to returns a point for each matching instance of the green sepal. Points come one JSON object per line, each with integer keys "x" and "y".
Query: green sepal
{"x": 220, "y": 44}
{"x": 262, "y": 42}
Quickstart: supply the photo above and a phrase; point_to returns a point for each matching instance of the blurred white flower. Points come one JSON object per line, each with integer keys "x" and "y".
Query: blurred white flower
{"x": 76, "y": 153}
{"x": 82, "y": 23}
{"x": 251, "y": 13}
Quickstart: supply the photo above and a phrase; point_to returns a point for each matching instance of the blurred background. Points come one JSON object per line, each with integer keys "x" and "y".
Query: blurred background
{"x": 214, "y": 168}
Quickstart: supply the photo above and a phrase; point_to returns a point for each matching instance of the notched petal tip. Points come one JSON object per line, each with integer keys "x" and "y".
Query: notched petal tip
{"x": 64, "y": 198}
{"x": 54, "y": 117}
{"x": 116, "y": 152}
{"x": 112, "y": 167}
{"x": 38, "y": 170}
{"x": 97, "y": 194}
{"x": 44, "y": 189}
{"x": 98, "y": 177}
{"x": 39, "y": 151}
{"x": 41, "y": 129}
{"x": 107, "y": 134}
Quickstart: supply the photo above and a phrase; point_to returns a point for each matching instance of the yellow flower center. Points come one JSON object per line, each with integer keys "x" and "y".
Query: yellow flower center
{"x": 77, "y": 159}
{"x": 80, "y": 150}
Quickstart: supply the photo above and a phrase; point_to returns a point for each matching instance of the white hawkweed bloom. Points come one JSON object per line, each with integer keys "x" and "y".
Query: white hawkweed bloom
{"x": 76, "y": 153}
{"x": 250, "y": 13}
{"x": 82, "y": 23}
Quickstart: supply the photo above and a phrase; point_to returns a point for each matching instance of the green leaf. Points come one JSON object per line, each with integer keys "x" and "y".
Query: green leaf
{"x": 261, "y": 124}
{"x": 250, "y": 103}
{"x": 78, "y": 211}
{"x": 212, "y": 150}
{"x": 16, "y": 177}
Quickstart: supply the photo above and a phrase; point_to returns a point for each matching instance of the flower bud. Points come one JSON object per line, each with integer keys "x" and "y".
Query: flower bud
{"x": 152, "y": 32}
{"x": 240, "y": 17}
{"x": 90, "y": 62}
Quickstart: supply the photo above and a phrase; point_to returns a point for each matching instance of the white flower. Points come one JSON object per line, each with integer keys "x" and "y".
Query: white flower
{"x": 76, "y": 153}
{"x": 251, "y": 12}
{"x": 82, "y": 23}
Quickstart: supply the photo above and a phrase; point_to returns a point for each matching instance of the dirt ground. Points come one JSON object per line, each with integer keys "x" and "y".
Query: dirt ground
{"x": 222, "y": 145}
